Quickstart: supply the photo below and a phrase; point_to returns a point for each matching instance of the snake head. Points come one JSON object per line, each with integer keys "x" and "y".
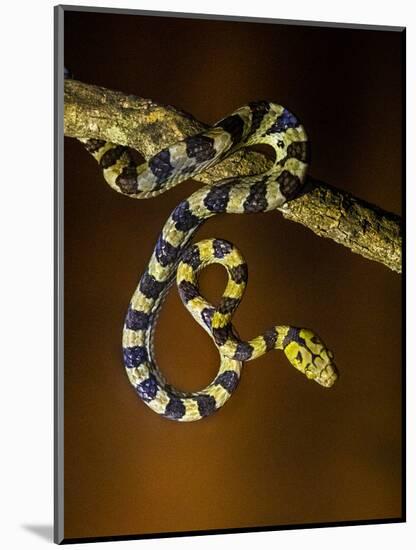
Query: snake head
{"x": 306, "y": 351}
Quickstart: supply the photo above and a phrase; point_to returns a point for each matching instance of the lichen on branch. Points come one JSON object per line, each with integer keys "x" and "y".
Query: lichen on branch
{"x": 95, "y": 112}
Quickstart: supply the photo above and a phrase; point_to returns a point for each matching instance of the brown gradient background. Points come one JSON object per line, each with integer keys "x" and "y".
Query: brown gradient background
{"x": 283, "y": 450}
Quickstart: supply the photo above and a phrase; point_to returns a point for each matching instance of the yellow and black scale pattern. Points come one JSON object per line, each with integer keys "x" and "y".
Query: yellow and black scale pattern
{"x": 256, "y": 123}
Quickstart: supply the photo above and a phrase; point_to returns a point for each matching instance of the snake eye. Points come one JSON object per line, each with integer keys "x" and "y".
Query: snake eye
{"x": 299, "y": 357}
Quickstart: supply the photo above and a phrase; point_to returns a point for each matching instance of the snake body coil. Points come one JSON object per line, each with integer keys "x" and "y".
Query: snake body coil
{"x": 256, "y": 123}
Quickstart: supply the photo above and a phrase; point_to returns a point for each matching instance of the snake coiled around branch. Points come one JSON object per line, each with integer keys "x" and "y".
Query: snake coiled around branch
{"x": 256, "y": 123}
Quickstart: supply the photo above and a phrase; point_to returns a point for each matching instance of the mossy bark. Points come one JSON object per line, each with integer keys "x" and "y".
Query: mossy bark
{"x": 95, "y": 112}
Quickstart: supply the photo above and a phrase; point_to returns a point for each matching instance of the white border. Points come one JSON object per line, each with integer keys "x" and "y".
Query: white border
{"x": 26, "y": 225}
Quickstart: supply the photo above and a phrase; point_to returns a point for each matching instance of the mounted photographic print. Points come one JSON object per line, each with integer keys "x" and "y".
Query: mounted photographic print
{"x": 228, "y": 274}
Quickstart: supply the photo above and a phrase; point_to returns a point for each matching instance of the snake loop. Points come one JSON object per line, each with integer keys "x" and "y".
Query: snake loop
{"x": 256, "y": 123}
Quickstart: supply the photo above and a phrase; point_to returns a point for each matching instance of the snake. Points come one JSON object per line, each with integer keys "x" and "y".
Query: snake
{"x": 175, "y": 257}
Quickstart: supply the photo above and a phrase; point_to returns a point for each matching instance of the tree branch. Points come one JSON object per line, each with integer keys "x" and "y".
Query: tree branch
{"x": 95, "y": 112}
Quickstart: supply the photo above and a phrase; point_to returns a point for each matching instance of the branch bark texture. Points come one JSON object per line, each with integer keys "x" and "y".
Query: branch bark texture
{"x": 95, "y": 112}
